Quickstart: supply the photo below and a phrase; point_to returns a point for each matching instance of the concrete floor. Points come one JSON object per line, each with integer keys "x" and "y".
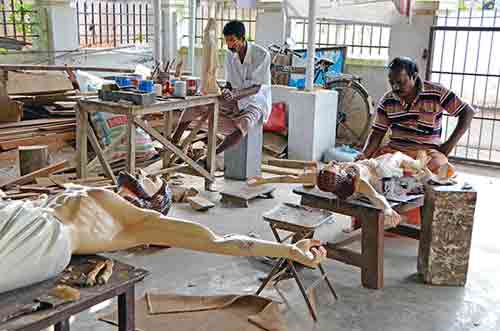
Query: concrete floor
{"x": 403, "y": 304}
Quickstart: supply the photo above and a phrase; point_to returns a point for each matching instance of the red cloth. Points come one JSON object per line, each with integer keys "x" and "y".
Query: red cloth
{"x": 277, "y": 121}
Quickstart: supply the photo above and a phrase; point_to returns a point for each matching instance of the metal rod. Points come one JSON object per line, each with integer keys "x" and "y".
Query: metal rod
{"x": 114, "y": 25}
{"x": 157, "y": 36}
{"x": 107, "y": 24}
{"x": 147, "y": 23}
{"x": 77, "y": 22}
{"x": 100, "y": 23}
{"x": 121, "y": 23}
{"x": 466, "y": 28}
{"x": 93, "y": 23}
{"x": 474, "y": 84}
{"x": 13, "y": 8}
{"x": 141, "y": 37}
{"x": 128, "y": 23}
{"x": 485, "y": 92}
{"x": 4, "y": 18}
{"x": 134, "y": 34}
{"x": 85, "y": 23}
{"x": 23, "y": 23}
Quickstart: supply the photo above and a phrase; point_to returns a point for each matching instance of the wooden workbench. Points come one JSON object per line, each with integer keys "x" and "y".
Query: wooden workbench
{"x": 134, "y": 114}
{"x": 121, "y": 284}
{"x": 371, "y": 258}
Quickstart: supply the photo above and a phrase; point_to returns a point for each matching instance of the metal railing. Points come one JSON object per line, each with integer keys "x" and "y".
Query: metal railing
{"x": 223, "y": 15}
{"x": 464, "y": 46}
{"x": 113, "y": 24}
{"x": 362, "y": 40}
{"x": 18, "y": 20}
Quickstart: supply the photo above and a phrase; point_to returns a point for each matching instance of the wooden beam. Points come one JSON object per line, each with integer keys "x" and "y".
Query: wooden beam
{"x": 97, "y": 148}
{"x": 156, "y": 135}
{"x": 344, "y": 255}
{"x": 107, "y": 150}
{"x": 44, "y": 172}
{"x": 280, "y": 171}
{"x": 295, "y": 164}
{"x": 34, "y": 67}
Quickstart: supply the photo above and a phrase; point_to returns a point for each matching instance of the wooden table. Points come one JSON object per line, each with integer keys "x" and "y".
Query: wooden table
{"x": 134, "y": 113}
{"x": 371, "y": 258}
{"x": 121, "y": 284}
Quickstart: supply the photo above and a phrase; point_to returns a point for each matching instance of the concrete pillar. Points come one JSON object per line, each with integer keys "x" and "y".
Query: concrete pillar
{"x": 311, "y": 45}
{"x": 418, "y": 32}
{"x": 58, "y": 29}
{"x": 157, "y": 47}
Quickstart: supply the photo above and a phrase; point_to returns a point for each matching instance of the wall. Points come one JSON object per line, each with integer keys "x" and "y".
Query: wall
{"x": 374, "y": 78}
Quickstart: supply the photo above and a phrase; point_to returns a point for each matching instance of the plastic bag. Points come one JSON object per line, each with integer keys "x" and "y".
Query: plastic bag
{"x": 278, "y": 120}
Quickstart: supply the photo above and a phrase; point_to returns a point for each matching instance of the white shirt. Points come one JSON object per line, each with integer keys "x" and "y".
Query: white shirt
{"x": 255, "y": 70}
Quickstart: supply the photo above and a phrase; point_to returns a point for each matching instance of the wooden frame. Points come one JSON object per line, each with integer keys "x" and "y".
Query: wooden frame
{"x": 134, "y": 113}
{"x": 371, "y": 258}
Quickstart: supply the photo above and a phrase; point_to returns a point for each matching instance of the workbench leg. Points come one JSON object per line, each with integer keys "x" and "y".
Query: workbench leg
{"x": 102, "y": 158}
{"x": 62, "y": 326}
{"x": 131, "y": 145}
{"x": 213, "y": 120}
{"x": 81, "y": 142}
{"x": 126, "y": 310}
{"x": 372, "y": 250}
{"x": 168, "y": 121}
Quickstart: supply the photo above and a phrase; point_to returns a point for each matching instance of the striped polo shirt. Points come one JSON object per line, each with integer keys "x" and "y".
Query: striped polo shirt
{"x": 418, "y": 123}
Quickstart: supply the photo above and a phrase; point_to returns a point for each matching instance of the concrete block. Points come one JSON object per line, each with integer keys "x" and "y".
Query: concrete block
{"x": 311, "y": 121}
{"x": 244, "y": 160}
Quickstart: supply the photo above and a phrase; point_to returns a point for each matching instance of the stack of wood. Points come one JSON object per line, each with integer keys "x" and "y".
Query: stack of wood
{"x": 35, "y": 132}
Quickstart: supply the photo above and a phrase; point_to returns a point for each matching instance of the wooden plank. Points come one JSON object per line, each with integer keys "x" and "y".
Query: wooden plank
{"x": 44, "y": 67}
{"x": 280, "y": 171}
{"x": 213, "y": 120}
{"x": 32, "y": 158}
{"x": 295, "y": 164}
{"x": 22, "y": 196}
{"x": 37, "y": 189}
{"x": 107, "y": 150}
{"x": 44, "y": 172}
{"x": 372, "y": 247}
{"x": 81, "y": 142}
{"x": 35, "y": 123}
{"x": 58, "y": 127}
{"x": 98, "y": 150}
{"x": 344, "y": 255}
{"x": 37, "y": 82}
{"x": 131, "y": 137}
{"x": 174, "y": 149}
{"x": 200, "y": 204}
{"x": 40, "y": 140}
{"x": 168, "y": 123}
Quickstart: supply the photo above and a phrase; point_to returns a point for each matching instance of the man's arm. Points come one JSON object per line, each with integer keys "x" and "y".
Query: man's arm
{"x": 464, "y": 122}
{"x": 455, "y": 107}
{"x": 379, "y": 128}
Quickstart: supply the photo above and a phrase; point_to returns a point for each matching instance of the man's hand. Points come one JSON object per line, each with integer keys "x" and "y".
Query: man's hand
{"x": 360, "y": 156}
{"x": 446, "y": 148}
{"x": 228, "y": 95}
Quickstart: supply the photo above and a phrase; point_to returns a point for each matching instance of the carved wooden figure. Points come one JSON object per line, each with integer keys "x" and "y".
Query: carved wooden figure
{"x": 210, "y": 59}
{"x": 37, "y": 238}
{"x": 361, "y": 177}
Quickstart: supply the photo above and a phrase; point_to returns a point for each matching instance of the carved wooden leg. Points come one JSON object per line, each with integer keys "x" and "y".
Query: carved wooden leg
{"x": 81, "y": 142}
{"x": 126, "y": 310}
{"x": 372, "y": 247}
{"x": 212, "y": 144}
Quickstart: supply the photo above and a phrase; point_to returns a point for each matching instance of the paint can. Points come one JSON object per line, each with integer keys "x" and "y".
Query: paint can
{"x": 146, "y": 86}
{"x": 180, "y": 88}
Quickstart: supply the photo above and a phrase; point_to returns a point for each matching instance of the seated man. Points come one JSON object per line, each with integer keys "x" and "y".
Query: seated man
{"x": 246, "y": 99}
{"x": 413, "y": 110}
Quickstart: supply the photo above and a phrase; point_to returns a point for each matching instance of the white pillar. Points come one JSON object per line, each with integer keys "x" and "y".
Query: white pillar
{"x": 158, "y": 35}
{"x": 166, "y": 49}
{"x": 192, "y": 28}
{"x": 311, "y": 43}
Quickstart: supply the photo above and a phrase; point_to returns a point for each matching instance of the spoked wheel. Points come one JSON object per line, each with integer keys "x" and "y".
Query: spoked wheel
{"x": 354, "y": 112}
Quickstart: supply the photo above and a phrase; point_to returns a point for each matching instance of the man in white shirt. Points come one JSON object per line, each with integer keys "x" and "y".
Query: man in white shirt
{"x": 246, "y": 99}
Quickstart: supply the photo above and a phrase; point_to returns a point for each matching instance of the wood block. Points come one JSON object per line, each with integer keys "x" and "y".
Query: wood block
{"x": 241, "y": 195}
{"x": 32, "y": 158}
{"x": 200, "y": 204}
{"x": 445, "y": 239}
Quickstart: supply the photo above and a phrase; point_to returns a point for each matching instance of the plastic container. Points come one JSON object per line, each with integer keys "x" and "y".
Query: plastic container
{"x": 341, "y": 154}
{"x": 146, "y": 86}
{"x": 123, "y": 81}
{"x": 180, "y": 88}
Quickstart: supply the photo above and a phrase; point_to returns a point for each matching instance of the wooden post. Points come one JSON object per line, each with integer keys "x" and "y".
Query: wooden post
{"x": 32, "y": 158}
{"x": 372, "y": 247}
{"x": 131, "y": 134}
{"x": 212, "y": 144}
{"x": 81, "y": 141}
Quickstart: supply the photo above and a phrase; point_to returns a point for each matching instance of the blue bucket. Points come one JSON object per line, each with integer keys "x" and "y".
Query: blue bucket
{"x": 146, "y": 86}
{"x": 123, "y": 81}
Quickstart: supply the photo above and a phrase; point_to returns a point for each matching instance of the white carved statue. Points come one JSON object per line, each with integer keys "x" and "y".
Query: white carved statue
{"x": 364, "y": 178}
{"x": 37, "y": 238}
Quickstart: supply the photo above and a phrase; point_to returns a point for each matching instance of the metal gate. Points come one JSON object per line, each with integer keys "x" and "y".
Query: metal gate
{"x": 465, "y": 57}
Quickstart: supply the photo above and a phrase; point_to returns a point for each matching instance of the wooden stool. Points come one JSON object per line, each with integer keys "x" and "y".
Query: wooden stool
{"x": 301, "y": 222}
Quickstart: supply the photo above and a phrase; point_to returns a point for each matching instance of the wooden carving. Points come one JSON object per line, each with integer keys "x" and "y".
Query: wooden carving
{"x": 209, "y": 60}
{"x": 364, "y": 178}
{"x": 37, "y": 238}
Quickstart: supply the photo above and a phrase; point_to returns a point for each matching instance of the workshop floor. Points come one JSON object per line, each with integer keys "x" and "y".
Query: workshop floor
{"x": 403, "y": 304}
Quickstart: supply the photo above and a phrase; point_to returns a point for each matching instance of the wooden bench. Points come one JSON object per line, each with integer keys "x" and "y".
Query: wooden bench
{"x": 121, "y": 285}
{"x": 371, "y": 258}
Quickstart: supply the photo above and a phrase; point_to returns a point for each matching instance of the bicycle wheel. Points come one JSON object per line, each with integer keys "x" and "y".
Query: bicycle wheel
{"x": 354, "y": 112}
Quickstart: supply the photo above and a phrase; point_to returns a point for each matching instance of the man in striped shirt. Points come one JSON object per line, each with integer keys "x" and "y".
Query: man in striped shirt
{"x": 413, "y": 110}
